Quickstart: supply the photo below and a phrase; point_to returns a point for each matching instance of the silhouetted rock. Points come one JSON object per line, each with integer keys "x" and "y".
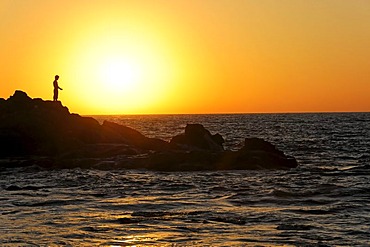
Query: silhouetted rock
{"x": 116, "y": 133}
{"x": 198, "y": 137}
{"x": 46, "y": 134}
{"x": 255, "y": 143}
{"x": 262, "y": 154}
{"x": 112, "y": 132}
{"x": 36, "y": 127}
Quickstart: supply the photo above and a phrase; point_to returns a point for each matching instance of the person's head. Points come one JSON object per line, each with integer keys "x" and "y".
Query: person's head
{"x": 56, "y": 77}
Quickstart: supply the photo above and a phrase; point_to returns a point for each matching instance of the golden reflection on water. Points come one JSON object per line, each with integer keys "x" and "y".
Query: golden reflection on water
{"x": 151, "y": 239}
{"x": 98, "y": 225}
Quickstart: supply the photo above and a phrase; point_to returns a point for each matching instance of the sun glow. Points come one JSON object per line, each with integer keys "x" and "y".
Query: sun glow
{"x": 159, "y": 57}
{"x": 127, "y": 73}
{"x": 122, "y": 75}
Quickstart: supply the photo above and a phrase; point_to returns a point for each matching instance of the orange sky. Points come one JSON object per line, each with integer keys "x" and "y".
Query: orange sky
{"x": 193, "y": 56}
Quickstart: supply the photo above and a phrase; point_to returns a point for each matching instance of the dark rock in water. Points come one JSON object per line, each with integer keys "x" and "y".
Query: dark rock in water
{"x": 255, "y": 143}
{"x": 262, "y": 154}
{"x": 197, "y": 136}
{"x": 112, "y": 132}
{"x": 47, "y": 135}
{"x": 115, "y": 133}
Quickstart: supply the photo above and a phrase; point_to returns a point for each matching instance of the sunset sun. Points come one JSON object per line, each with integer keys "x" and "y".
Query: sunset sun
{"x": 121, "y": 74}
{"x": 126, "y": 73}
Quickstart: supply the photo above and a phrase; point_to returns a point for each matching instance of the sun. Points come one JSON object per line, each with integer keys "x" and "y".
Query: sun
{"x": 128, "y": 82}
{"x": 121, "y": 74}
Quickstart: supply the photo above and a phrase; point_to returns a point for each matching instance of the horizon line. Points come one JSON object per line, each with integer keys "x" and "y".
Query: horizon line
{"x": 225, "y": 113}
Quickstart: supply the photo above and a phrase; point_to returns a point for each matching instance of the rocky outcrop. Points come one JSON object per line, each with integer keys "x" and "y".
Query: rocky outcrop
{"x": 36, "y": 127}
{"x": 196, "y": 136}
{"x": 256, "y": 154}
{"x": 115, "y": 133}
{"x": 46, "y": 134}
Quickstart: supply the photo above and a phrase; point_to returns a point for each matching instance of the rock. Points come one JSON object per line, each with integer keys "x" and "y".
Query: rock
{"x": 258, "y": 153}
{"x": 36, "y": 127}
{"x": 14, "y": 143}
{"x": 19, "y": 97}
{"x": 112, "y": 132}
{"x": 115, "y": 133}
{"x": 34, "y": 132}
{"x": 197, "y": 136}
{"x": 255, "y": 143}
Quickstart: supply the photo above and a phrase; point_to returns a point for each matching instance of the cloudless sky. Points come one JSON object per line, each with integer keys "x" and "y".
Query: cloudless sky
{"x": 193, "y": 56}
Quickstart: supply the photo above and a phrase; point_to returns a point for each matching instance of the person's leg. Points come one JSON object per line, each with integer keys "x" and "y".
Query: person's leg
{"x": 55, "y": 97}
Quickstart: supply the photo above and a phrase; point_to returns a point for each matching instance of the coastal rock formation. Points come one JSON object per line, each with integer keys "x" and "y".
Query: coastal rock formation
{"x": 36, "y": 127}
{"x": 46, "y": 134}
{"x": 196, "y": 136}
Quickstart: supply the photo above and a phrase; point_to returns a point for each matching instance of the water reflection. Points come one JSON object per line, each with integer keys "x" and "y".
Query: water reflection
{"x": 323, "y": 202}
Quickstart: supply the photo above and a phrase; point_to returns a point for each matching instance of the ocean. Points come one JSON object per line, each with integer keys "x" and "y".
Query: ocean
{"x": 325, "y": 201}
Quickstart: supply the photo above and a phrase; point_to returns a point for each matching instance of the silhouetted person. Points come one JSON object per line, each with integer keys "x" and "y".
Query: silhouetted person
{"x": 56, "y": 87}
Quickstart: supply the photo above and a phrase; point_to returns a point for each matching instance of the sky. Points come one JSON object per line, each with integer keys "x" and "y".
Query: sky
{"x": 193, "y": 56}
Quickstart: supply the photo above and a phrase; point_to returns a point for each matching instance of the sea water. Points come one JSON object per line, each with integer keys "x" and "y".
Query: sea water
{"x": 323, "y": 202}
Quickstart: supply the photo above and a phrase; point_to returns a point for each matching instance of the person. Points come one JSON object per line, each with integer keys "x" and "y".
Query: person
{"x": 56, "y": 88}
